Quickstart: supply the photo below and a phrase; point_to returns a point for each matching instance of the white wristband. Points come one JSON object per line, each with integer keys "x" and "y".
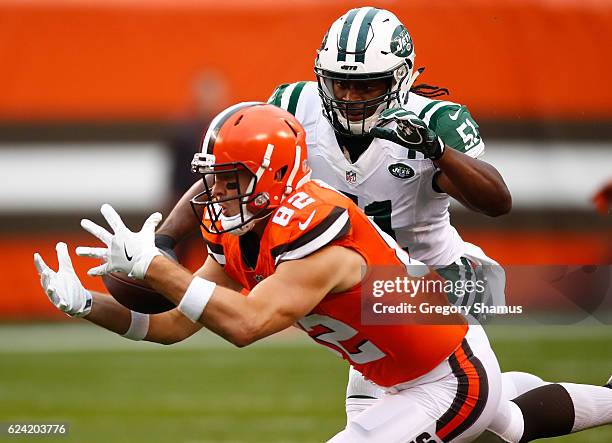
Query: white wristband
{"x": 139, "y": 326}
{"x": 196, "y": 298}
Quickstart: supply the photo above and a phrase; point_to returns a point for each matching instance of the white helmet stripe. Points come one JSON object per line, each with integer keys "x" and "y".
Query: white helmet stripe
{"x": 265, "y": 162}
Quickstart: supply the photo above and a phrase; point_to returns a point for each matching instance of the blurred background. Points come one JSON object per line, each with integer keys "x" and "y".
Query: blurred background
{"x": 106, "y": 101}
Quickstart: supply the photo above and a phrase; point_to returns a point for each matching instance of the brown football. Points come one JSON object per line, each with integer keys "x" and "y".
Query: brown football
{"x": 136, "y": 295}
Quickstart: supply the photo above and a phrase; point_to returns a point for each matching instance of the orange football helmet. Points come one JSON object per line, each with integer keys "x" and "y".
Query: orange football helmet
{"x": 267, "y": 143}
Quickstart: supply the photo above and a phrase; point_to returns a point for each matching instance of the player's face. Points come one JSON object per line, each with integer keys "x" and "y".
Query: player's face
{"x": 359, "y": 90}
{"x": 226, "y": 187}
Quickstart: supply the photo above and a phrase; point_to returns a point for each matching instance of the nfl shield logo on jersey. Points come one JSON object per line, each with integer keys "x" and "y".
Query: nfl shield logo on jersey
{"x": 351, "y": 176}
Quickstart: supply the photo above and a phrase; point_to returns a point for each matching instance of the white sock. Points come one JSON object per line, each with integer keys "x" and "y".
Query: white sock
{"x": 592, "y": 405}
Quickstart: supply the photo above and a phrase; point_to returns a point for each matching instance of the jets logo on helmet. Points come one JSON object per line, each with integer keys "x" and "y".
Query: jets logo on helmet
{"x": 401, "y": 43}
{"x": 364, "y": 44}
{"x": 258, "y": 152}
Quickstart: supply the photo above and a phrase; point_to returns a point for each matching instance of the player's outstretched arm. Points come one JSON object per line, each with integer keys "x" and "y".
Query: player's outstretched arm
{"x": 167, "y": 327}
{"x": 274, "y": 304}
{"x": 66, "y": 292}
{"x": 126, "y": 251}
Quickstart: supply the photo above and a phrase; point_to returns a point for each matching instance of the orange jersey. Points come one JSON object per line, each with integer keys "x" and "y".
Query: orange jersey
{"x": 311, "y": 218}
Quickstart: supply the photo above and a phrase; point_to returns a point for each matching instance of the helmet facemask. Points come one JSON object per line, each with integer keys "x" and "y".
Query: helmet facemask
{"x": 337, "y": 110}
{"x": 246, "y": 206}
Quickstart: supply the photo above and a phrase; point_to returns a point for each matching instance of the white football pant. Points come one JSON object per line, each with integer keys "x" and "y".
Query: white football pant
{"x": 455, "y": 402}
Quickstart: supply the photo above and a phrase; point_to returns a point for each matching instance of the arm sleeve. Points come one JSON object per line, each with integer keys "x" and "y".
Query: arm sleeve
{"x": 455, "y": 126}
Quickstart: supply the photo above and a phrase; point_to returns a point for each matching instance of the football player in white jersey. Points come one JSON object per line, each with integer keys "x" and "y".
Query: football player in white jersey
{"x": 400, "y": 155}
{"x": 357, "y": 116}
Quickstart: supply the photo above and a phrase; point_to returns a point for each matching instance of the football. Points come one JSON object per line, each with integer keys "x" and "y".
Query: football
{"x": 136, "y": 295}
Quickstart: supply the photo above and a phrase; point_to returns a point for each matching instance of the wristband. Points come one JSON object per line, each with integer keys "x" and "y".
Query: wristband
{"x": 196, "y": 298}
{"x": 166, "y": 244}
{"x": 441, "y": 146}
{"x": 139, "y": 326}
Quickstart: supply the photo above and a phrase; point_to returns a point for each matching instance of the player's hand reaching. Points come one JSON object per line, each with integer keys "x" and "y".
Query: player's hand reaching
{"x": 63, "y": 287}
{"x": 410, "y": 131}
{"x": 126, "y": 251}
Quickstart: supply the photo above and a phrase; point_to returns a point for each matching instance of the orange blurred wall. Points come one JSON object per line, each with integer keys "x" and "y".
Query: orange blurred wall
{"x": 135, "y": 60}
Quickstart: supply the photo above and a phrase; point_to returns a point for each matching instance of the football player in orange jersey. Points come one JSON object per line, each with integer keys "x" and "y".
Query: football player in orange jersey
{"x": 300, "y": 248}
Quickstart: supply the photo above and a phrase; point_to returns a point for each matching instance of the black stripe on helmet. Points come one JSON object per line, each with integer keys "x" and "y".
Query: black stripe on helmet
{"x": 362, "y": 36}
{"x": 344, "y": 34}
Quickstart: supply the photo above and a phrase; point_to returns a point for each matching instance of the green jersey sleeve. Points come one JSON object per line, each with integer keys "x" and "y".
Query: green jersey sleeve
{"x": 302, "y": 100}
{"x": 455, "y": 126}
{"x": 287, "y": 96}
{"x": 277, "y": 94}
{"x": 452, "y": 122}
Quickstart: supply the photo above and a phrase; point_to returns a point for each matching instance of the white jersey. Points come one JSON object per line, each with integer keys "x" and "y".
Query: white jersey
{"x": 392, "y": 184}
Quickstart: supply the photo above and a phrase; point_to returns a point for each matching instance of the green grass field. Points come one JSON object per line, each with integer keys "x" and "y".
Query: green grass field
{"x": 282, "y": 390}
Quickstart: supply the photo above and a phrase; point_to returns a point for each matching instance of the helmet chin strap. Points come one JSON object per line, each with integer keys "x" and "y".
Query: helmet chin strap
{"x": 231, "y": 222}
{"x": 235, "y": 220}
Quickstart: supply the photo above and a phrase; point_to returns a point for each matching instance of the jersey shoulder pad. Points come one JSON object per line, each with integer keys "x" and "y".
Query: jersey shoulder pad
{"x": 451, "y": 121}
{"x": 300, "y": 99}
{"x": 417, "y": 103}
{"x": 307, "y": 222}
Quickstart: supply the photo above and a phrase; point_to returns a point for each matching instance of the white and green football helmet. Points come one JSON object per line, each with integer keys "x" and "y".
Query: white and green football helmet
{"x": 364, "y": 44}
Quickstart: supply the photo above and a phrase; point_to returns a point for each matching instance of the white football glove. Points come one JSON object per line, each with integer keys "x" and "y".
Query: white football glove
{"x": 127, "y": 251}
{"x": 63, "y": 287}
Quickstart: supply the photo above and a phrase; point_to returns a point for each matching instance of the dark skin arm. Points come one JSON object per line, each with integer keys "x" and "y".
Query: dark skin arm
{"x": 475, "y": 184}
{"x": 181, "y": 222}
